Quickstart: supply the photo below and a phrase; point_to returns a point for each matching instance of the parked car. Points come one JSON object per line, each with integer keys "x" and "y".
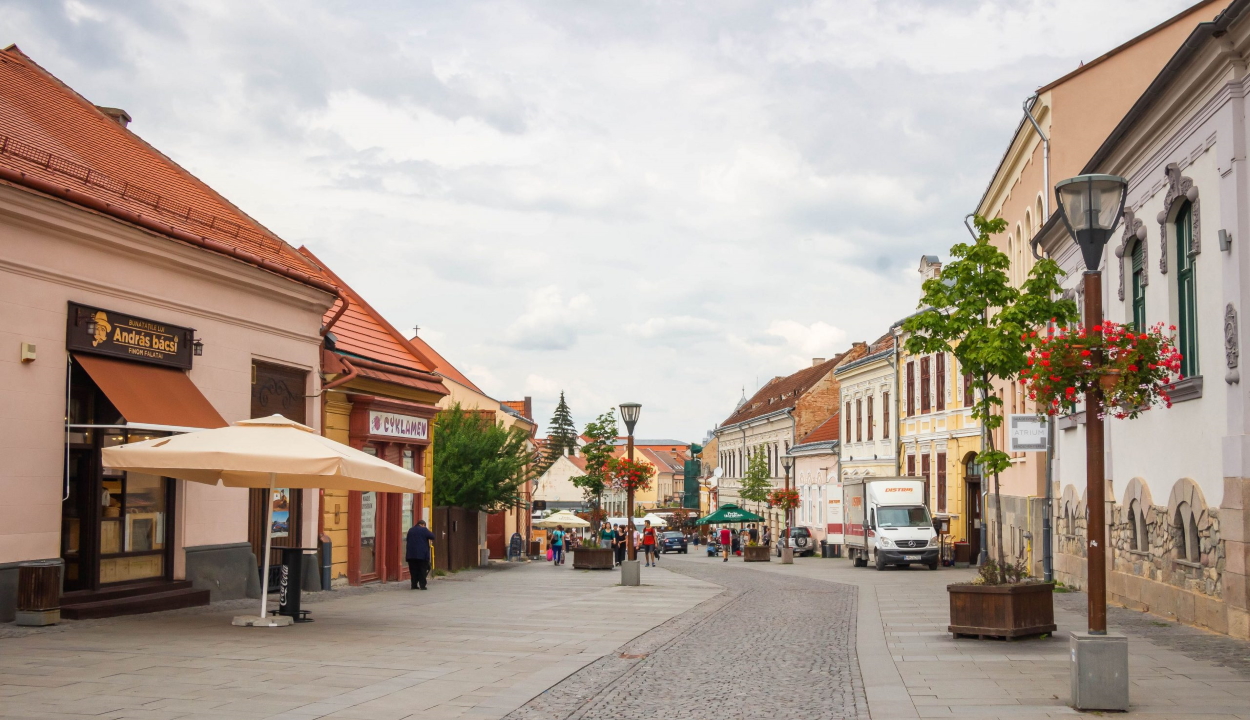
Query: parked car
{"x": 674, "y": 541}
{"x": 801, "y": 541}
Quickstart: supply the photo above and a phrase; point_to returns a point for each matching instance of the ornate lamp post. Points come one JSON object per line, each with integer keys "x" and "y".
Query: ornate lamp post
{"x": 787, "y": 552}
{"x": 630, "y": 574}
{"x": 1091, "y": 206}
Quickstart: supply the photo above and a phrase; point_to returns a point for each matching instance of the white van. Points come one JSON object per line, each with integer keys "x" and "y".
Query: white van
{"x": 887, "y": 522}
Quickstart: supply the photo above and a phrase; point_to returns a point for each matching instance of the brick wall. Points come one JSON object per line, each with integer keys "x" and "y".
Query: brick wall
{"x": 821, "y": 399}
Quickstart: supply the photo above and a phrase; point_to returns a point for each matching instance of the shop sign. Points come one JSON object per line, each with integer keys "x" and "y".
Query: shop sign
{"x": 125, "y": 336}
{"x": 400, "y": 426}
{"x": 1027, "y": 434}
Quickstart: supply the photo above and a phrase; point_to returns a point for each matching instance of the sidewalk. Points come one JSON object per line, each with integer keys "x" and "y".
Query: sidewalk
{"x": 913, "y": 668}
{"x": 476, "y": 645}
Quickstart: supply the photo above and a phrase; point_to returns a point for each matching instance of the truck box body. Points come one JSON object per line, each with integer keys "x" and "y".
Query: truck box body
{"x": 887, "y": 521}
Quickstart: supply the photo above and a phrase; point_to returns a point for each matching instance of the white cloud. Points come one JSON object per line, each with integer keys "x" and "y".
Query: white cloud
{"x": 549, "y": 322}
{"x": 658, "y": 202}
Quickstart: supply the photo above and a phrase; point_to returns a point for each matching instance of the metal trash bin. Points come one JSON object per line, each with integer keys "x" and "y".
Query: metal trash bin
{"x": 39, "y": 593}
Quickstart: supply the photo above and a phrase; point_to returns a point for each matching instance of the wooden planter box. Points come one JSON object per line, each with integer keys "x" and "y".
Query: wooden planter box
{"x": 593, "y": 559}
{"x": 1006, "y": 611}
{"x": 755, "y": 554}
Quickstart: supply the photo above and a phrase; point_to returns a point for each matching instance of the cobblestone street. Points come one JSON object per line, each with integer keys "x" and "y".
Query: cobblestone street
{"x": 769, "y": 647}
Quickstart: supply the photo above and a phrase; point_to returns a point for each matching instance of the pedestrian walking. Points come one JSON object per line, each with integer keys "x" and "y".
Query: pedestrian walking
{"x": 557, "y": 546}
{"x": 753, "y": 533}
{"x": 648, "y": 544}
{"x": 417, "y": 553}
{"x": 768, "y": 536}
{"x": 618, "y": 543}
{"x": 726, "y": 541}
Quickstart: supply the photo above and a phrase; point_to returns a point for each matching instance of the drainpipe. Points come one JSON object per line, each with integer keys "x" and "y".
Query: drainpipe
{"x": 898, "y": 448}
{"x": 1028, "y": 112}
{"x": 350, "y": 375}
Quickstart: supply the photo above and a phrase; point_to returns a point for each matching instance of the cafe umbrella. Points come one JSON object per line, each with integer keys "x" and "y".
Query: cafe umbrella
{"x": 267, "y": 453}
{"x": 728, "y": 514}
{"x": 563, "y": 517}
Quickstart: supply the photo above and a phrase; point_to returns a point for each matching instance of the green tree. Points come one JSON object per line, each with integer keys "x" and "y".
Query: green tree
{"x": 598, "y": 455}
{"x": 757, "y": 481}
{"x": 478, "y": 464}
{"x": 972, "y": 311}
{"x": 561, "y": 435}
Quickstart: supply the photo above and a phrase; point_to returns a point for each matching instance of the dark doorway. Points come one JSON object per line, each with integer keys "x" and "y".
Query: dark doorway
{"x": 277, "y": 390}
{"x": 972, "y": 504}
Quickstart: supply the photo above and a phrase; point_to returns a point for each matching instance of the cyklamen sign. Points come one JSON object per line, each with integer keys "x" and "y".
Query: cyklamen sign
{"x": 398, "y": 426}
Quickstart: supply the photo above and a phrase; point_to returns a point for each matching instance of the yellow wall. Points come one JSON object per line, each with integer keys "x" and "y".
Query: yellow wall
{"x": 338, "y": 410}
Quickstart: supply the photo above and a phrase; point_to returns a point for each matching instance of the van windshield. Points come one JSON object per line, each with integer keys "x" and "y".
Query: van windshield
{"x": 904, "y": 517}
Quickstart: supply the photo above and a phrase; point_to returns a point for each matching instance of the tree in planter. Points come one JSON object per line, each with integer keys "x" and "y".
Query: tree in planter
{"x": 756, "y": 481}
{"x": 479, "y": 464}
{"x": 598, "y": 455}
{"x": 972, "y": 311}
{"x": 561, "y": 435}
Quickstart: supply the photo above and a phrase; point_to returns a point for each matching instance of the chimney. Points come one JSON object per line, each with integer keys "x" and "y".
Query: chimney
{"x": 121, "y": 117}
{"x": 529, "y": 407}
{"x": 817, "y": 361}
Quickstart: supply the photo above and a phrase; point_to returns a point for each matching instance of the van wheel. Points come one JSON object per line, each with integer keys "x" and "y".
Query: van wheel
{"x": 860, "y": 561}
{"x": 880, "y": 562}
{"x": 933, "y": 565}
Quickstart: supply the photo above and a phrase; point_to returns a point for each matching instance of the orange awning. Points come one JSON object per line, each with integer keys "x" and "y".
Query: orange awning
{"x": 150, "y": 394}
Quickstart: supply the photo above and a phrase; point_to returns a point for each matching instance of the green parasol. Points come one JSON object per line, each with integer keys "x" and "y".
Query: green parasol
{"x": 729, "y": 513}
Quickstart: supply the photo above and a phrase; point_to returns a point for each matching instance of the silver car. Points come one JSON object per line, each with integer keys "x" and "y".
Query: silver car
{"x": 801, "y": 541}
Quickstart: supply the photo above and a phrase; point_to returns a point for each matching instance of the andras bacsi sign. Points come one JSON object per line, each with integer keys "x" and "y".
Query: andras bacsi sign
{"x": 107, "y": 332}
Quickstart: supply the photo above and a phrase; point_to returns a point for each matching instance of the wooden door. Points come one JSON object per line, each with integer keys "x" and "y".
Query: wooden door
{"x": 495, "y": 540}
{"x": 277, "y": 390}
{"x": 972, "y": 501}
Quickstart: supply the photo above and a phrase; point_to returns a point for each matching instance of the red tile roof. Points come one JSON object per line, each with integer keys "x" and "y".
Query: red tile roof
{"x": 824, "y": 432}
{"x": 783, "y": 392}
{"x": 441, "y": 366}
{"x": 363, "y": 331}
{"x": 524, "y": 408}
{"x": 52, "y": 136}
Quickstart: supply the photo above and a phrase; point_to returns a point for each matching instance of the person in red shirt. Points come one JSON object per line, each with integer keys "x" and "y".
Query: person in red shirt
{"x": 648, "y": 543}
{"x": 726, "y": 541}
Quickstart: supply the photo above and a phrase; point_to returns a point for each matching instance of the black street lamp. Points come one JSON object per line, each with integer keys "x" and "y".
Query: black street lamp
{"x": 629, "y": 574}
{"x": 1091, "y": 206}
{"x": 787, "y": 552}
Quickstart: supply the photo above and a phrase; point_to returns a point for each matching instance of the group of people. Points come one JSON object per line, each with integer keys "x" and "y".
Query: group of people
{"x": 732, "y": 541}
{"x": 646, "y": 540}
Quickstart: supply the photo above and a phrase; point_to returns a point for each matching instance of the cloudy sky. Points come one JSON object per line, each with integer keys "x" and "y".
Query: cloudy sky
{"x": 662, "y": 202}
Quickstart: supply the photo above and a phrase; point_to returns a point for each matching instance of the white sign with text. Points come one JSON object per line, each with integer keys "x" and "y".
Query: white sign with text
{"x": 1026, "y": 433}
{"x": 400, "y": 426}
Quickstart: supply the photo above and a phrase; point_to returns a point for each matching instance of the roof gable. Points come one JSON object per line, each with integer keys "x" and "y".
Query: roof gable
{"x": 52, "y": 134}
{"x": 363, "y": 331}
{"x": 782, "y": 393}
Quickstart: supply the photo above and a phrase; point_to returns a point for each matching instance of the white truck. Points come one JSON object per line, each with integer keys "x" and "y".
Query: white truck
{"x": 887, "y": 522}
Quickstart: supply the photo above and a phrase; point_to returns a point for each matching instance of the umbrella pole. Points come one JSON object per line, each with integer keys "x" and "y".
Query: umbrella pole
{"x": 264, "y": 577}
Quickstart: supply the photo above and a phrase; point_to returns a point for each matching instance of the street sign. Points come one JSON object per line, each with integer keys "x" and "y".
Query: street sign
{"x": 1026, "y": 433}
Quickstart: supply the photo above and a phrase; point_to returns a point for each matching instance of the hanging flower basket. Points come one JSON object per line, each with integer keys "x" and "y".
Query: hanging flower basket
{"x": 1133, "y": 370}
{"x": 631, "y": 474}
{"x": 784, "y": 499}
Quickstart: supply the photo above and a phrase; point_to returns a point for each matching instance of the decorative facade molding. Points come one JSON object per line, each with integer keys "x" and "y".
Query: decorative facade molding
{"x": 1231, "y": 350}
{"x": 1179, "y": 188}
{"x": 1134, "y": 229}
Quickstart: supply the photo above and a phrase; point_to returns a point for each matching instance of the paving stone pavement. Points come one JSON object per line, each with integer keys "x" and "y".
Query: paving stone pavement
{"x": 913, "y": 668}
{"x": 476, "y": 645}
{"x": 768, "y": 647}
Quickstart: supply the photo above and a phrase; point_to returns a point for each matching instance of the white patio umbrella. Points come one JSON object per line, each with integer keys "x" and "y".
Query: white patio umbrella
{"x": 268, "y": 453}
{"x": 565, "y": 518}
{"x": 656, "y": 520}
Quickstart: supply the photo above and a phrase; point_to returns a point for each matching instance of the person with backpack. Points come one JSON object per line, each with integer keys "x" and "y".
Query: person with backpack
{"x": 648, "y": 544}
{"x": 557, "y": 546}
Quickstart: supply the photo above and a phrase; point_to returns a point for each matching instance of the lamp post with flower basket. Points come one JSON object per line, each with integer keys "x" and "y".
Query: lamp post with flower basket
{"x": 1111, "y": 366}
{"x": 630, "y": 476}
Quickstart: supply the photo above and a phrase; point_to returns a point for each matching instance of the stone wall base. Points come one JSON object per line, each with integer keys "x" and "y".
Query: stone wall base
{"x": 1168, "y": 601}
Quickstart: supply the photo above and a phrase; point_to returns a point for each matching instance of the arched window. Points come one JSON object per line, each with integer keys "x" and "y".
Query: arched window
{"x": 1069, "y": 521}
{"x": 1138, "y": 275}
{"x": 1186, "y": 292}
{"x": 1138, "y": 538}
{"x": 1185, "y": 533}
